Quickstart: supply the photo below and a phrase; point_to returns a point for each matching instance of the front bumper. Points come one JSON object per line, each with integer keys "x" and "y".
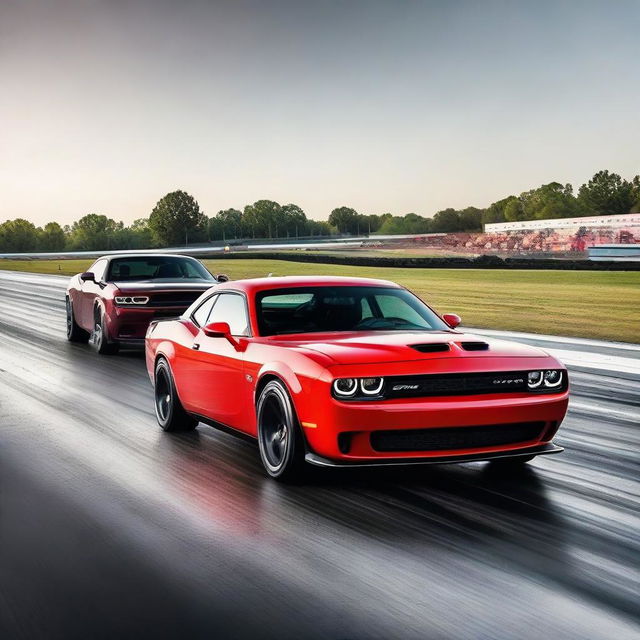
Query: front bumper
{"x": 128, "y": 325}
{"x": 349, "y": 432}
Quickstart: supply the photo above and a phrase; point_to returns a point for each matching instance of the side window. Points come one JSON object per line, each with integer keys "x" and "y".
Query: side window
{"x": 201, "y": 314}
{"x": 231, "y": 308}
{"x": 98, "y": 268}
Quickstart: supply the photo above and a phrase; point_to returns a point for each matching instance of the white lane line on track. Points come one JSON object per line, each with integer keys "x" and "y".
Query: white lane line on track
{"x": 597, "y": 361}
{"x": 627, "y": 346}
{"x": 589, "y": 407}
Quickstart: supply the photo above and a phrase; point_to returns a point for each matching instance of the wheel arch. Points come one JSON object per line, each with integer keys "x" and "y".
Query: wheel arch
{"x": 164, "y": 350}
{"x": 284, "y": 374}
{"x": 99, "y": 306}
{"x": 277, "y": 371}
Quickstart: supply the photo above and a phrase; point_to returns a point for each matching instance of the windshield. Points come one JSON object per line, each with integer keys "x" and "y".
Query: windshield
{"x": 319, "y": 309}
{"x": 157, "y": 268}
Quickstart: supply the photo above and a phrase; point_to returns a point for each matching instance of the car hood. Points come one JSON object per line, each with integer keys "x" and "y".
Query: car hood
{"x": 393, "y": 346}
{"x": 164, "y": 285}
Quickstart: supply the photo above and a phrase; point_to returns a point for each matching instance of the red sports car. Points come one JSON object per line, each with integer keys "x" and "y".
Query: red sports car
{"x": 351, "y": 371}
{"x": 113, "y": 302}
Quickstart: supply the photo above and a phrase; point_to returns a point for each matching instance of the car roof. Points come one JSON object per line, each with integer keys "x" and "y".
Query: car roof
{"x": 144, "y": 255}
{"x": 255, "y": 285}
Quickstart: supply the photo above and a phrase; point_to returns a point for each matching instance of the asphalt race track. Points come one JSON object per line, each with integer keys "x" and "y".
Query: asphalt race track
{"x": 110, "y": 528}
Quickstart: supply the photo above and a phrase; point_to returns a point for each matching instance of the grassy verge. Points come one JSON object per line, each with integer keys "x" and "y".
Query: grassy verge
{"x": 591, "y": 304}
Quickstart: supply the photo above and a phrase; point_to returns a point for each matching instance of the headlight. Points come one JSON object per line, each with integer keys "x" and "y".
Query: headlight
{"x": 357, "y": 388}
{"x": 131, "y": 300}
{"x": 541, "y": 380}
{"x": 345, "y": 387}
{"x": 371, "y": 386}
{"x": 552, "y": 378}
{"x": 534, "y": 379}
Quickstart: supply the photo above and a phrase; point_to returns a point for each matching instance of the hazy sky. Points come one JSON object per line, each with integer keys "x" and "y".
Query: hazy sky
{"x": 106, "y": 105}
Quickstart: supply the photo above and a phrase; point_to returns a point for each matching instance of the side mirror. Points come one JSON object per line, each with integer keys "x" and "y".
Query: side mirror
{"x": 87, "y": 275}
{"x": 452, "y": 319}
{"x": 217, "y": 330}
{"x": 221, "y": 277}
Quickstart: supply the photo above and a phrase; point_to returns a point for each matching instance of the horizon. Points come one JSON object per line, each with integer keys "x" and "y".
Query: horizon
{"x": 379, "y": 106}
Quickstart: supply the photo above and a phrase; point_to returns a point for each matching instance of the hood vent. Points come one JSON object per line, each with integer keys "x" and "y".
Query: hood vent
{"x": 430, "y": 348}
{"x": 474, "y": 346}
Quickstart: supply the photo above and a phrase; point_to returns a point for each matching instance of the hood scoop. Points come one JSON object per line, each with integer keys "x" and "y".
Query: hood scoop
{"x": 434, "y": 347}
{"x": 474, "y": 346}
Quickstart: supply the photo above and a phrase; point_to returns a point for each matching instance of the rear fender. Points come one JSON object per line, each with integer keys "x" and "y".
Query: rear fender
{"x": 164, "y": 349}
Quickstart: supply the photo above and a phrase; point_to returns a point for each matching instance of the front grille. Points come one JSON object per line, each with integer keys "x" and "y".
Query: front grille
{"x": 182, "y": 299}
{"x": 168, "y": 313}
{"x": 455, "y": 384}
{"x": 450, "y": 438}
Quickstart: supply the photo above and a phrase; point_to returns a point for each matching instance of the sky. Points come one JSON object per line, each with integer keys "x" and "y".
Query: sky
{"x": 400, "y": 106}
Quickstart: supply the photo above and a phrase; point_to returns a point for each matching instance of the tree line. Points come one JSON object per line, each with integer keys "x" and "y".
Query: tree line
{"x": 177, "y": 219}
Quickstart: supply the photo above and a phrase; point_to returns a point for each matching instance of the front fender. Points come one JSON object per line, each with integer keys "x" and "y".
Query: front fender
{"x": 282, "y": 371}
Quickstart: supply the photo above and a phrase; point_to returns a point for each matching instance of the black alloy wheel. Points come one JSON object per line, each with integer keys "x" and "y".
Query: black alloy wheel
{"x": 279, "y": 437}
{"x": 75, "y": 333}
{"x": 100, "y": 337}
{"x": 170, "y": 413}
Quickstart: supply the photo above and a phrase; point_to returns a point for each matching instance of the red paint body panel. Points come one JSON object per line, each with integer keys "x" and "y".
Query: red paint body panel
{"x": 220, "y": 382}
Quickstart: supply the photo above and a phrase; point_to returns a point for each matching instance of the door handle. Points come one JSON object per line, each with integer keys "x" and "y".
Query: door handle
{"x": 195, "y": 345}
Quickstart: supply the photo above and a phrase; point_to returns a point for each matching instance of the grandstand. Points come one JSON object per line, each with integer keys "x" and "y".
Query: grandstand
{"x": 563, "y": 237}
{"x": 590, "y": 222}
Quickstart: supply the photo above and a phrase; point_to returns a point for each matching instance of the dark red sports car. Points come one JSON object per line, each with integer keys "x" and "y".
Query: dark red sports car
{"x": 346, "y": 371}
{"x": 115, "y": 300}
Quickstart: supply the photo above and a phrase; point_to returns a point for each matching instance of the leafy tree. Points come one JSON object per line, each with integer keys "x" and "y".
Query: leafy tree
{"x": 495, "y": 212}
{"x": 93, "y": 231}
{"x": 176, "y": 219}
{"x": 261, "y": 218}
{"x": 470, "y": 219}
{"x": 18, "y": 235}
{"x": 636, "y": 194}
{"x": 607, "y": 194}
{"x": 345, "y": 219}
{"x": 552, "y": 200}
{"x": 446, "y": 221}
{"x": 142, "y": 233}
{"x": 135, "y": 236}
{"x": 294, "y": 221}
{"x": 514, "y": 210}
{"x": 226, "y": 224}
{"x": 392, "y": 225}
{"x": 52, "y": 237}
{"x": 371, "y": 223}
{"x": 318, "y": 228}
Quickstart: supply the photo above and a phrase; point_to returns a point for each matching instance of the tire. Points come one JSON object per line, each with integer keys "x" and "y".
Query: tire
{"x": 279, "y": 437}
{"x": 170, "y": 413}
{"x": 100, "y": 337}
{"x": 75, "y": 333}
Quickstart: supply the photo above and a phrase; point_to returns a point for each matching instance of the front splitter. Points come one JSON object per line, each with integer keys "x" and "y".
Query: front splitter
{"x": 539, "y": 450}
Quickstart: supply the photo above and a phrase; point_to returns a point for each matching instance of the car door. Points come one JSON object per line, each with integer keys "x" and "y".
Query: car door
{"x": 219, "y": 390}
{"x": 88, "y": 292}
{"x": 187, "y": 363}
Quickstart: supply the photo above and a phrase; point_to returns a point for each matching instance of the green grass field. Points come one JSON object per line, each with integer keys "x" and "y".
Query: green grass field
{"x": 591, "y": 304}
